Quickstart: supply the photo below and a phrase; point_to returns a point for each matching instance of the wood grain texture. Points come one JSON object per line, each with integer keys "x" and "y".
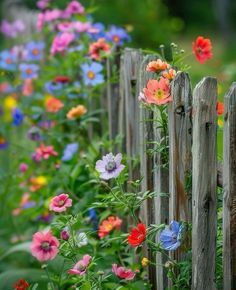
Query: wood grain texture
{"x": 204, "y": 185}
{"x": 229, "y": 189}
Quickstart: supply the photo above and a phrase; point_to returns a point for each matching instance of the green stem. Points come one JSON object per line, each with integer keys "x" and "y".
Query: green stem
{"x": 49, "y": 278}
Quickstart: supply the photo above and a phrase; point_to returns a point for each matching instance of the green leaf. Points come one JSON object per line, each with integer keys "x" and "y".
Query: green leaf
{"x": 24, "y": 247}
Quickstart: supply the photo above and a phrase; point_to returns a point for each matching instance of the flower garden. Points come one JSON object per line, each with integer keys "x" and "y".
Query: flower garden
{"x": 70, "y": 214}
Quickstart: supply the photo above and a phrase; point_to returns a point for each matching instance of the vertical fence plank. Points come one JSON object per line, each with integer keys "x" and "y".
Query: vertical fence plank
{"x": 180, "y": 143}
{"x": 229, "y": 188}
{"x": 132, "y": 62}
{"x": 204, "y": 185}
{"x": 147, "y": 211}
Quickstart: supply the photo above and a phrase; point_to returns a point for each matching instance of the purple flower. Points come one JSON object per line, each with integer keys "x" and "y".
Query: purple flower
{"x": 110, "y": 166}
{"x": 34, "y": 134}
{"x": 17, "y": 116}
{"x": 92, "y": 73}
{"x": 53, "y": 87}
{"x": 170, "y": 238}
{"x": 3, "y": 143}
{"x": 69, "y": 151}
{"x": 12, "y": 29}
{"x": 117, "y": 35}
{"x": 28, "y": 71}
{"x": 7, "y": 60}
{"x": 34, "y": 50}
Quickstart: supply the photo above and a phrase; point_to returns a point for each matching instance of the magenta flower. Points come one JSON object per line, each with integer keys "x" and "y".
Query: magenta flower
{"x": 74, "y": 7}
{"x": 81, "y": 266}
{"x": 123, "y": 273}
{"x": 61, "y": 42}
{"x": 44, "y": 246}
{"x": 23, "y": 167}
{"x": 110, "y": 166}
{"x": 60, "y": 203}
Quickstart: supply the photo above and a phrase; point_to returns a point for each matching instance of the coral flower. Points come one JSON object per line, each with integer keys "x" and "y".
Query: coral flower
{"x": 123, "y": 273}
{"x": 76, "y": 112}
{"x": 202, "y": 49}
{"x": 53, "y": 105}
{"x": 21, "y": 285}
{"x": 44, "y": 152}
{"x": 60, "y": 203}
{"x": 27, "y": 89}
{"x": 81, "y": 266}
{"x": 169, "y": 74}
{"x": 157, "y": 66}
{"x": 137, "y": 235}
{"x": 99, "y": 49}
{"x": 44, "y": 246}
{"x": 220, "y": 108}
{"x": 108, "y": 225}
{"x": 158, "y": 92}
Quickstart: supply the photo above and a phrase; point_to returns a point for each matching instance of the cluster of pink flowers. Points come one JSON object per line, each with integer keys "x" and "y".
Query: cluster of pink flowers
{"x": 44, "y": 152}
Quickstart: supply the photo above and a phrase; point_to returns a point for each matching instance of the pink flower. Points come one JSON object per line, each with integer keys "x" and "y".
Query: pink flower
{"x": 81, "y": 266}
{"x": 40, "y": 22}
{"x": 158, "y": 92}
{"x": 65, "y": 26}
{"x": 60, "y": 203}
{"x": 99, "y": 49}
{"x": 74, "y": 7}
{"x": 44, "y": 152}
{"x": 27, "y": 88}
{"x": 61, "y": 42}
{"x": 82, "y": 26}
{"x": 23, "y": 167}
{"x": 123, "y": 272}
{"x": 51, "y": 15}
{"x": 44, "y": 246}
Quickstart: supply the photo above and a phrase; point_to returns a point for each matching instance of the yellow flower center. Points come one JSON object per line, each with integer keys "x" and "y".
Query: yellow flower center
{"x": 91, "y": 75}
{"x": 159, "y": 94}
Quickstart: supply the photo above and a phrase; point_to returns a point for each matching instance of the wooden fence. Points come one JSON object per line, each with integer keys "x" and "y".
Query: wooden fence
{"x": 192, "y": 176}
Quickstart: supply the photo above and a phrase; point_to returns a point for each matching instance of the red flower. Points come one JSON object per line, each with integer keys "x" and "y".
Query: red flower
{"x": 220, "y": 108}
{"x": 137, "y": 235}
{"x": 62, "y": 79}
{"x": 202, "y": 49}
{"x": 21, "y": 285}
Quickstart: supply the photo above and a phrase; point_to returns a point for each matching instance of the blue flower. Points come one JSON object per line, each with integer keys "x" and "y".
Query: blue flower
{"x": 100, "y": 31}
{"x": 117, "y": 35}
{"x": 7, "y": 60}
{"x": 69, "y": 151}
{"x": 170, "y": 238}
{"x": 28, "y": 71}
{"x": 91, "y": 73}
{"x": 17, "y": 116}
{"x": 52, "y": 87}
{"x": 93, "y": 217}
{"x": 34, "y": 50}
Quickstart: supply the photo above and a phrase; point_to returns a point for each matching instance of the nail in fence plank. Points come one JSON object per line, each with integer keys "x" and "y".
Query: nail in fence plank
{"x": 229, "y": 188}
{"x": 132, "y": 63}
{"x": 204, "y": 185}
{"x": 147, "y": 213}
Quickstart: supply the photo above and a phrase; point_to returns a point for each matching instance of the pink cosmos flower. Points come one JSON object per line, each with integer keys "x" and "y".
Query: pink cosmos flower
{"x": 51, "y": 15}
{"x": 61, "y": 42}
{"x": 44, "y": 246}
{"x": 81, "y": 266}
{"x": 158, "y": 92}
{"x": 40, "y": 21}
{"x": 44, "y": 152}
{"x": 60, "y": 203}
{"x": 65, "y": 27}
{"x": 82, "y": 26}
{"x": 123, "y": 273}
{"x": 99, "y": 49}
{"x": 74, "y": 7}
{"x": 23, "y": 167}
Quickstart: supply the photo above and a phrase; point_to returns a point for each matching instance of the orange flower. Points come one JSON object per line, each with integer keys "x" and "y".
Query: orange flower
{"x": 220, "y": 108}
{"x": 157, "y": 92}
{"x": 202, "y": 49}
{"x": 108, "y": 225}
{"x": 76, "y": 112}
{"x": 157, "y": 66}
{"x": 169, "y": 74}
{"x": 98, "y": 49}
{"x": 53, "y": 105}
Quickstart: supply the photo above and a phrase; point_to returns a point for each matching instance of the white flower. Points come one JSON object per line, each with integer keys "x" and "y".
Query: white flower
{"x": 82, "y": 240}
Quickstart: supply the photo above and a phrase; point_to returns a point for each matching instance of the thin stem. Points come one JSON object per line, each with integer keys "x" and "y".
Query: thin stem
{"x": 49, "y": 278}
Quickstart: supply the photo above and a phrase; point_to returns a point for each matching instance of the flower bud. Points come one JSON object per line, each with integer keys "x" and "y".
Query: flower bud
{"x": 65, "y": 234}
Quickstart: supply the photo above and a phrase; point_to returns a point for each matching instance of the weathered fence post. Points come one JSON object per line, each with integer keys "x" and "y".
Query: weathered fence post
{"x": 204, "y": 185}
{"x": 229, "y": 188}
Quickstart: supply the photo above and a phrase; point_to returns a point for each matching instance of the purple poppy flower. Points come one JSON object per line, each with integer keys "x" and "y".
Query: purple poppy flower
{"x": 92, "y": 73}
{"x": 170, "y": 238}
{"x": 110, "y": 166}
{"x": 7, "y": 60}
{"x": 69, "y": 151}
{"x": 34, "y": 50}
{"x": 28, "y": 71}
{"x": 17, "y": 116}
{"x": 117, "y": 35}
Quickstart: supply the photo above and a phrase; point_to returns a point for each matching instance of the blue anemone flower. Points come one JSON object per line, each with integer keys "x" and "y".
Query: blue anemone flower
{"x": 7, "y": 60}
{"x": 34, "y": 50}
{"x": 170, "y": 238}
{"x": 28, "y": 71}
{"x": 17, "y": 116}
{"x": 69, "y": 151}
{"x": 117, "y": 35}
{"x": 53, "y": 87}
{"x": 92, "y": 73}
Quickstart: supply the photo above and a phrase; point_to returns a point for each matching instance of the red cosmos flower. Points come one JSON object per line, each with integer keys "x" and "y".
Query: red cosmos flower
{"x": 62, "y": 79}
{"x": 202, "y": 49}
{"x": 21, "y": 285}
{"x": 220, "y": 108}
{"x": 137, "y": 235}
